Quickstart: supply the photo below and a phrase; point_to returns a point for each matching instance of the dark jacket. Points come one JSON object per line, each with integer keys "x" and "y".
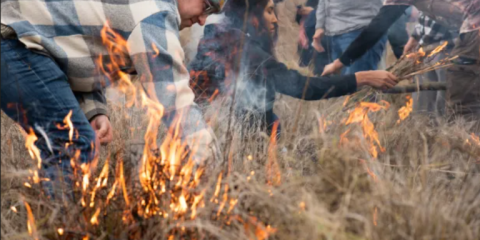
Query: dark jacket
{"x": 259, "y": 75}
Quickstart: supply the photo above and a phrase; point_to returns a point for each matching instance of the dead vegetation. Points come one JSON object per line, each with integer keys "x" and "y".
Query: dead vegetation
{"x": 320, "y": 180}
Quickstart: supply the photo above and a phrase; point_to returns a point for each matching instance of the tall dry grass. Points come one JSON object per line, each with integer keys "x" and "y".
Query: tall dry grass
{"x": 312, "y": 184}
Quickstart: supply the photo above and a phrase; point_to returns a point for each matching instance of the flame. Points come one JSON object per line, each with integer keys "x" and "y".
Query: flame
{"x": 374, "y": 217}
{"x": 273, "y": 170}
{"x": 68, "y": 125}
{"x": 360, "y": 115}
{"x": 419, "y": 54}
{"x": 60, "y": 231}
{"x": 94, "y": 219}
{"x": 34, "y": 152}
{"x": 438, "y": 49}
{"x": 405, "y": 111}
{"x": 32, "y": 228}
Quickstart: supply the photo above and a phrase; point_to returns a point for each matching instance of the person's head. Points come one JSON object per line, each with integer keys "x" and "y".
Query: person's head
{"x": 197, "y": 11}
{"x": 261, "y": 19}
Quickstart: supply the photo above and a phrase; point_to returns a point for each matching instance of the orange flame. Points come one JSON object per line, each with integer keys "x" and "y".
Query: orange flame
{"x": 32, "y": 228}
{"x": 34, "y": 152}
{"x": 438, "y": 49}
{"x": 360, "y": 115}
{"x": 273, "y": 170}
{"x": 405, "y": 111}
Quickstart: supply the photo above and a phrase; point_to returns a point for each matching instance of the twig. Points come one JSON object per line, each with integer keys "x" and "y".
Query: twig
{"x": 427, "y": 86}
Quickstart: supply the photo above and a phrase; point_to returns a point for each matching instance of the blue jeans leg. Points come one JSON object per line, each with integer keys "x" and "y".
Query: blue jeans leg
{"x": 369, "y": 61}
{"x": 36, "y": 94}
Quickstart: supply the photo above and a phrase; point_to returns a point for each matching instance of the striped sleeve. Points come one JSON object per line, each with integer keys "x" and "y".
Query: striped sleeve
{"x": 159, "y": 60}
{"x": 92, "y": 103}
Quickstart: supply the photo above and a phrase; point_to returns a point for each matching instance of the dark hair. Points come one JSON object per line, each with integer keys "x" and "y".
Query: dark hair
{"x": 237, "y": 11}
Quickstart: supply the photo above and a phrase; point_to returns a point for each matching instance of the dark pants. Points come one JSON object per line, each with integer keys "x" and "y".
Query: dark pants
{"x": 36, "y": 94}
{"x": 398, "y": 35}
{"x": 463, "y": 79}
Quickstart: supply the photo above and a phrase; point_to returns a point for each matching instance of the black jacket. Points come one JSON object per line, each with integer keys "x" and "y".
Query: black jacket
{"x": 259, "y": 75}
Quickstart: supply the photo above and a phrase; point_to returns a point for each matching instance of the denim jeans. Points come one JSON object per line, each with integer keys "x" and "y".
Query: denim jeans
{"x": 36, "y": 95}
{"x": 336, "y": 45}
{"x": 398, "y": 35}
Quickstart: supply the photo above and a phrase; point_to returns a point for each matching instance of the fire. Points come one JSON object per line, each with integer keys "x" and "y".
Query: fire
{"x": 34, "y": 152}
{"x": 68, "y": 125}
{"x": 32, "y": 228}
{"x": 438, "y": 49}
{"x": 419, "y": 54}
{"x": 273, "y": 170}
{"x": 375, "y": 213}
{"x": 14, "y": 209}
{"x": 60, "y": 231}
{"x": 360, "y": 115}
{"x": 405, "y": 111}
{"x": 94, "y": 219}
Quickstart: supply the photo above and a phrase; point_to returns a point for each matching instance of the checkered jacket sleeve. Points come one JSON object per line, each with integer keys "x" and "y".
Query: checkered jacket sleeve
{"x": 158, "y": 59}
{"x": 92, "y": 103}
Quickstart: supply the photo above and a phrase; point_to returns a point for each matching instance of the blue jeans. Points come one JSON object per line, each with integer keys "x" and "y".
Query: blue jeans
{"x": 336, "y": 45}
{"x": 36, "y": 94}
{"x": 398, "y": 35}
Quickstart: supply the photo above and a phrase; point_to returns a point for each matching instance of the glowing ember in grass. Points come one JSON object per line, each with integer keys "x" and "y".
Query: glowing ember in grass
{"x": 60, "y": 231}
{"x": 14, "y": 209}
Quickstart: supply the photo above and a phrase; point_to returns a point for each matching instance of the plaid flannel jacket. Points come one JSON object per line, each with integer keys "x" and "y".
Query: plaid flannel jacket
{"x": 427, "y": 31}
{"x": 69, "y": 31}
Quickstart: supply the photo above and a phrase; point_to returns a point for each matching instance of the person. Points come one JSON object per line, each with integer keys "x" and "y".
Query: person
{"x": 463, "y": 78}
{"x": 230, "y": 54}
{"x": 430, "y": 34}
{"x": 398, "y": 35}
{"x": 306, "y": 18}
{"x": 49, "y": 69}
{"x": 340, "y": 22}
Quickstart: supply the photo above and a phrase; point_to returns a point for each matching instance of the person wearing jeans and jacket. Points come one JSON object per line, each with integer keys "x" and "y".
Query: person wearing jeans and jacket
{"x": 340, "y": 22}
{"x": 49, "y": 55}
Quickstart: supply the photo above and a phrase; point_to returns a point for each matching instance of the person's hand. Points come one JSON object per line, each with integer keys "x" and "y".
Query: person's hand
{"x": 410, "y": 46}
{"x": 317, "y": 40}
{"x": 377, "y": 79}
{"x": 103, "y": 129}
{"x": 332, "y": 68}
{"x": 304, "y": 11}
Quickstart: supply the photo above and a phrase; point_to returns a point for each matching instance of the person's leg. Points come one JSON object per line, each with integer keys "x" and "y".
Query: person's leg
{"x": 398, "y": 35}
{"x": 35, "y": 93}
{"x": 369, "y": 61}
{"x": 463, "y": 79}
{"x": 424, "y": 101}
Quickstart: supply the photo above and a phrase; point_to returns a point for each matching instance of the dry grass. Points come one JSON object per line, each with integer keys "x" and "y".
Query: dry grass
{"x": 311, "y": 185}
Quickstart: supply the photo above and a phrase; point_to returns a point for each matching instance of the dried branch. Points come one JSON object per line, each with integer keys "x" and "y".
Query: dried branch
{"x": 427, "y": 86}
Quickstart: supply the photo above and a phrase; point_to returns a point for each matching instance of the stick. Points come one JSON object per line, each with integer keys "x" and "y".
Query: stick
{"x": 428, "y": 86}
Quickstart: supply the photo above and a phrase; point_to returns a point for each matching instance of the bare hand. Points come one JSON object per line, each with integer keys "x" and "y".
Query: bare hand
{"x": 103, "y": 129}
{"x": 317, "y": 40}
{"x": 410, "y": 46}
{"x": 333, "y": 68}
{"x": 377, "y": 79}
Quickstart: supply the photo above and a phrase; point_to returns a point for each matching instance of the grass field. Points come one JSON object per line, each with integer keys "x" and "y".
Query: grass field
{"x": 320, "y": 180}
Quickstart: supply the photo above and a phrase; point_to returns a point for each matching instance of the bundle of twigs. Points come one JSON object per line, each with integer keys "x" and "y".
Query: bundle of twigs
{"x": 405, "y": 68}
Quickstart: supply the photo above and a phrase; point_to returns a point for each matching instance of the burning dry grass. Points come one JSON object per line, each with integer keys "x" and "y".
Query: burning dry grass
{"x": 337, "y": 172}
{"x": 315, "y": 183}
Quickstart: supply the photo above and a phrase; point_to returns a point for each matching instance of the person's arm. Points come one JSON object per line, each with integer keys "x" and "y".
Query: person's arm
{"x": 320, "y": 15}
{"x": 92, "y": 103}
{"x": 292, "y": 83}
{"x": 159, "y": 61}
{"x": 373, "y": 33}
